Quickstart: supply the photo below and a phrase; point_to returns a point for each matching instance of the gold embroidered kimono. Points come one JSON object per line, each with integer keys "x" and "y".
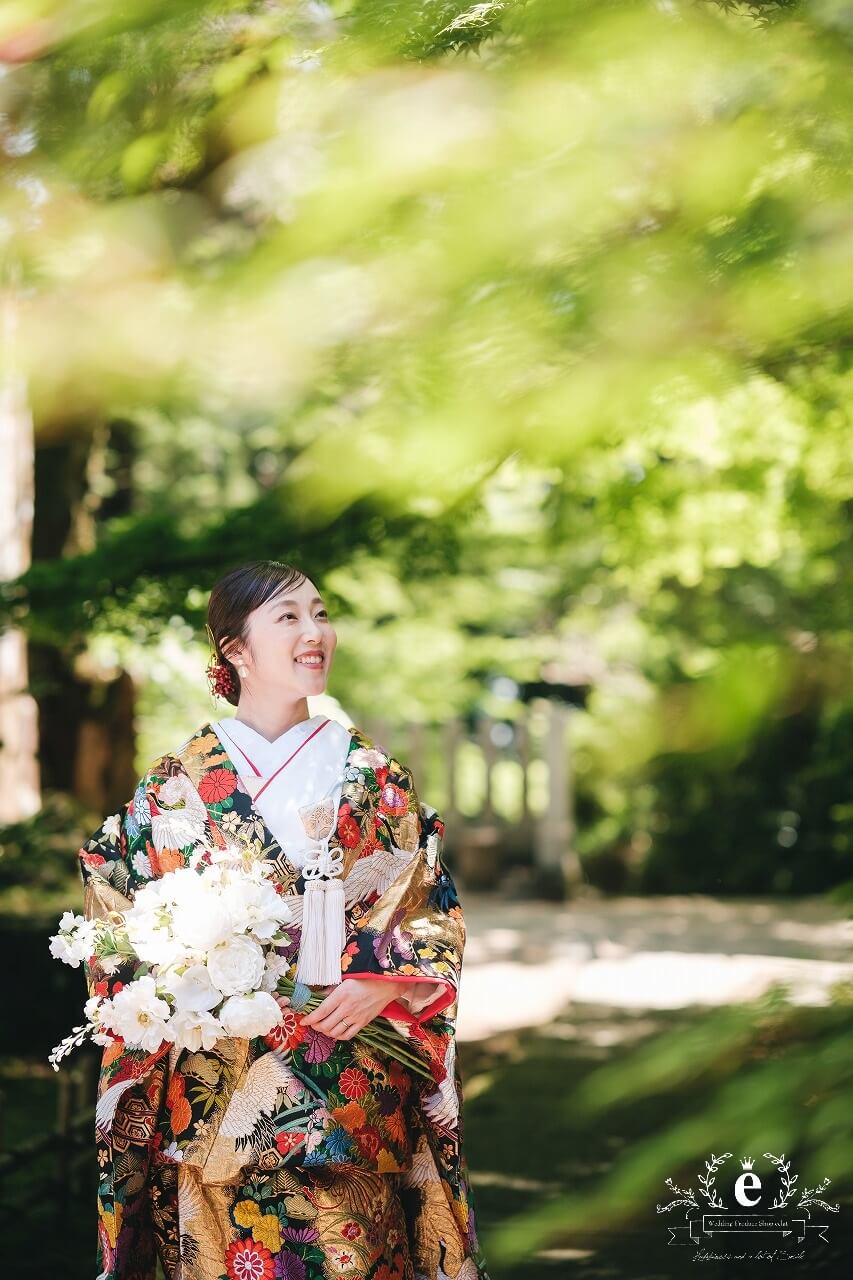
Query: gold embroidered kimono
{"x": 290, "y": 1156}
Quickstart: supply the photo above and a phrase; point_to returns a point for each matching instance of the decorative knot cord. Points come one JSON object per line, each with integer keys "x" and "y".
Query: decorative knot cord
{"x": 323, "y": 916}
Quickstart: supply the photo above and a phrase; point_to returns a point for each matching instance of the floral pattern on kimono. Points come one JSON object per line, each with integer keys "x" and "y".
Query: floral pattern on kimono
{"x": 209, "y": 1155}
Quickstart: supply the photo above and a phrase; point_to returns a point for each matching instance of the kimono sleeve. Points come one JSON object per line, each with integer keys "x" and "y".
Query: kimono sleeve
{"x": 413, "y": 934}
{"x": 113, "y": 864}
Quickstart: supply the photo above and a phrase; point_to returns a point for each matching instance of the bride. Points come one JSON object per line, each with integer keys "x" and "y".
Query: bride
{"x": 298, "y": 1155}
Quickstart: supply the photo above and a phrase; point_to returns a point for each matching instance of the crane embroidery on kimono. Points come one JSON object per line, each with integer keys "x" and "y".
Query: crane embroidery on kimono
{"x": 179, "y": 816}
{"x": 269, "y": 1085}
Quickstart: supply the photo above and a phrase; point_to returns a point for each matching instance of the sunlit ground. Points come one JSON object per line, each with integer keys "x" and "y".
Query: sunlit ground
{"x": 526, "y": 961}
{"x": 605, "y": 1043}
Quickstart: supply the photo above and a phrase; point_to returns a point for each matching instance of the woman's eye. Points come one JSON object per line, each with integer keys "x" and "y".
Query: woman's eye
{"x": 322, "y": 614}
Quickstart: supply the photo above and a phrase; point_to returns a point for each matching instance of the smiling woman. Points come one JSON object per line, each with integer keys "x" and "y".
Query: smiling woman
{"x": 296, "y": 1154}
{"x": 270, "y": 629}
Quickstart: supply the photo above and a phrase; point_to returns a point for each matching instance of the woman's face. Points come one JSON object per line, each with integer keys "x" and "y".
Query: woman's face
{"x": 285, "y": 633}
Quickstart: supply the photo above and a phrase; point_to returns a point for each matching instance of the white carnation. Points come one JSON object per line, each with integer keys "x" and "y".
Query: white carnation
{"x": 236, "y": 966}
{"x": 251, "y": 1015}
{"x": 83, "y": 939}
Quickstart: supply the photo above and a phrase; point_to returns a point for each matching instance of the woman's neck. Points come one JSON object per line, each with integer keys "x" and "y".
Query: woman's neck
{"x": 269, "y": 719}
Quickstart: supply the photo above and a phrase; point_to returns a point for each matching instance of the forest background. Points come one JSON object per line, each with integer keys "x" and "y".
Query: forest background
{"x": 524, "y": 328}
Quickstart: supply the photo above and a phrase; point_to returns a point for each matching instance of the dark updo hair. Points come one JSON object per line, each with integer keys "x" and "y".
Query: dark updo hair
{"x": 237, "y": 594}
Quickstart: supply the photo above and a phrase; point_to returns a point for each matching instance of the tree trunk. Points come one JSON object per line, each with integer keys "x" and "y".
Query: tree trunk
{"x": 86, "y": 716}
{"x": 20, "y": 789}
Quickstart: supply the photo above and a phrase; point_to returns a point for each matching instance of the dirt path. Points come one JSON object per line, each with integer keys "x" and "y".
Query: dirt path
{"x": 526, "y": 961}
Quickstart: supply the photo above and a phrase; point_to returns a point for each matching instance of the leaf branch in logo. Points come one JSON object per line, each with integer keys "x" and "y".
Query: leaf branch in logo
{"x": 784, "y": 1167}
{"x": 809, "y": 1196}
{"x": 683, "y": 1198}
{"x": 706, "y": 1180}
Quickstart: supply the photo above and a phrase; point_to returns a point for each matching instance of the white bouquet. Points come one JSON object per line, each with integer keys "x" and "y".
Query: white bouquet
{"x": 206, "y": 966}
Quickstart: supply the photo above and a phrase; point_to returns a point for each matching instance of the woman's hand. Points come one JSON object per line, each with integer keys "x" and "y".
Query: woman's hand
{"x": 349, "y": 1007}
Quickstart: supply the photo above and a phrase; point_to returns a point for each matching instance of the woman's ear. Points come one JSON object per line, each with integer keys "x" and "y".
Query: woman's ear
{"x": 232, "y": 650}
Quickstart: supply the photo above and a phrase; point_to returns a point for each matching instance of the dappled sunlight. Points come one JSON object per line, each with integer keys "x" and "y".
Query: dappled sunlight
{"x": 526, "y": 963}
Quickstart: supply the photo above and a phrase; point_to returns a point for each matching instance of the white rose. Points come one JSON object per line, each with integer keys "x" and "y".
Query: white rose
{"x": 194, "y": 1029}
{"x": 251, "y": 1015}
{"x": 236, "y": 966}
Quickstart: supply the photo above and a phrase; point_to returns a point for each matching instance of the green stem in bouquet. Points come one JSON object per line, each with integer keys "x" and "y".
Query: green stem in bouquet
{"x": 379, "y": 1034}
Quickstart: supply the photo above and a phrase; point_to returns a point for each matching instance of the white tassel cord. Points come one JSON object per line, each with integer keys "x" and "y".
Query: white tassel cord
{"x": 323, "y": 921}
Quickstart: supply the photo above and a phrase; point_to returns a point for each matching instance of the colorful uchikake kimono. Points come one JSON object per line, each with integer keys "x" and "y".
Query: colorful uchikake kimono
{"x": 290, "y": 1156}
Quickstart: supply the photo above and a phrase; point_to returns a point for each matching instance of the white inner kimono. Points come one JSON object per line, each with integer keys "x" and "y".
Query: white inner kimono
{"x": 315, "y": 774}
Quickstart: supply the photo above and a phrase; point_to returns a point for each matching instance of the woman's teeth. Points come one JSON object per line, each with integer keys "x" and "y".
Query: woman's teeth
{"x": 309, "y": 662}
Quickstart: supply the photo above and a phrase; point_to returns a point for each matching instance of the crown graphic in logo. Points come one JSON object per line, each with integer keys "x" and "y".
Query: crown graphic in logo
{"x": 746, "y": 1162}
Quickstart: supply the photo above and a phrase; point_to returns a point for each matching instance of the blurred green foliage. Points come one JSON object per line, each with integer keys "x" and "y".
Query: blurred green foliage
{"x": 767, "y": 1075}
{"x": 522, "y": 325}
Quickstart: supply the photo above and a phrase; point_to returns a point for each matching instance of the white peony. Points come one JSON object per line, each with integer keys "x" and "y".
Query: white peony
{"x": 194, "y": 1029}
{"x": 152, "y": 937}
{"x": 251, "y": 1015}
{"x": 138, "y": 1015}
{"x": 147, "y": 923}
{"x": 193, "y": 989}
{"x": 202, "y": 920}
{"x": 236, "y": 965}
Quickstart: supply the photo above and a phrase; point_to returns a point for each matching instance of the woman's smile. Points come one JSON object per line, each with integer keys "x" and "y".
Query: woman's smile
{"x": 310, "y": 659}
